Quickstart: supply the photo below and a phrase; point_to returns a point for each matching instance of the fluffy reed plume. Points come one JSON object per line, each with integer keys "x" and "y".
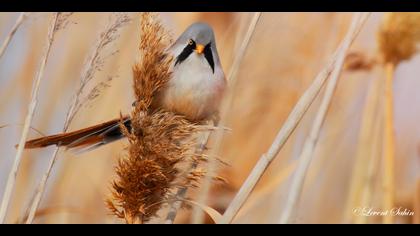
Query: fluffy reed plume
{"x": 398, "y": 36}
{"x": 159, "y": 140}
{"x": 94, "y": 62}
{"x": 397, "y": 39}
{"x": 182, "y": 190}
{"x": 63, "y": 20}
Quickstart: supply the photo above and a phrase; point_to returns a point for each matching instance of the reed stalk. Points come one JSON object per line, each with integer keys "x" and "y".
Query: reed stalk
{"x": 310, "y": 143}
{"x": 93, "y": 63}
{"x": 282, "y": 136}
{"x": 18, "y": 23}
{"x": 389, "y": 146}
{"x": 28, "y": 120}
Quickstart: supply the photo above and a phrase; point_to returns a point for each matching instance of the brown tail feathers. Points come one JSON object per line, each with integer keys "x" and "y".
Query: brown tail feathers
{"x": 88, "y": 138}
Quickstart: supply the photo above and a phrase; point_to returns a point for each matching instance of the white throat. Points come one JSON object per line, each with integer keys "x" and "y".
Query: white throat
{"x": 194, "y": 90}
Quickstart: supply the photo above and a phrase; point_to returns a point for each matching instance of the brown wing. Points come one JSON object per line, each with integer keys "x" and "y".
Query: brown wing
{"x": 87, "y": 136}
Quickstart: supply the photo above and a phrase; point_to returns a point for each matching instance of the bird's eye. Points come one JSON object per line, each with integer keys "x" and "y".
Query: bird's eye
{"x": 190, "y": 42}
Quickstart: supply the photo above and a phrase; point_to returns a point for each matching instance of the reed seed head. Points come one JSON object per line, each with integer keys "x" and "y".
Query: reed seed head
{"x": 159, "y": 140}
{"x": 398, "y": 36}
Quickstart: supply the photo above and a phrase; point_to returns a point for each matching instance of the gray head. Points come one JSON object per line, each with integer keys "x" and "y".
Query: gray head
{"x": 198, "y": 38}
{"x": 201, "y": 33}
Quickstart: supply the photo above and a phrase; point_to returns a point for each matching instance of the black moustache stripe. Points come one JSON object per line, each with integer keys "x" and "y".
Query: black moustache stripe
{"x": 190, "y": 48}
{"x": 209, "y": 56}
{"x": 185, "y": 53}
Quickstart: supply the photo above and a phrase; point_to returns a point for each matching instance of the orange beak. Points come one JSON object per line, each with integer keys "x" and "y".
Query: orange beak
{"x": 199, "y": 48}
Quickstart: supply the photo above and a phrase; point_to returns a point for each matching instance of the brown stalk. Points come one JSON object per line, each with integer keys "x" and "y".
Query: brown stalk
{"x": 397, "y": 41}
{"x": 389, "y": 145}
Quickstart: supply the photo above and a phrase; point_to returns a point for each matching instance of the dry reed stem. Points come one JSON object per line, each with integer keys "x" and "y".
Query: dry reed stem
{"x": 370, "y": 119}
{"x": 398, "y": 39}
{"x": 310, "y": 143}
{"x": 265, "y": 191}
{"x": 31, "y": 110}
{"x": 45, "y": 116}
{"x": 282, "y": 136}
{"x": 93, "y": 64}
{"x": 373, "y": 159}
{"x": 389, "y": 146}
{"x": 198, "y": 214}
{"x": 41, "y": 188}
{"x": 18, "y": 23}
{"x": 27, "y": 68}
{"x": 182, "y": 191}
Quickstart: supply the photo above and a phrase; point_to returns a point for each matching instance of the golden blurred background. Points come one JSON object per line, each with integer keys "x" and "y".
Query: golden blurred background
{"x": 285, "y": 54}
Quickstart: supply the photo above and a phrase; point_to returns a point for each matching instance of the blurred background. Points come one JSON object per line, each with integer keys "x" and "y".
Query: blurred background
{"x": 285, "y": 54}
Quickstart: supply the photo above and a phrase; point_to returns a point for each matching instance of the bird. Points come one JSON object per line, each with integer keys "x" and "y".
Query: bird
{"x": 195, "y": 91}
